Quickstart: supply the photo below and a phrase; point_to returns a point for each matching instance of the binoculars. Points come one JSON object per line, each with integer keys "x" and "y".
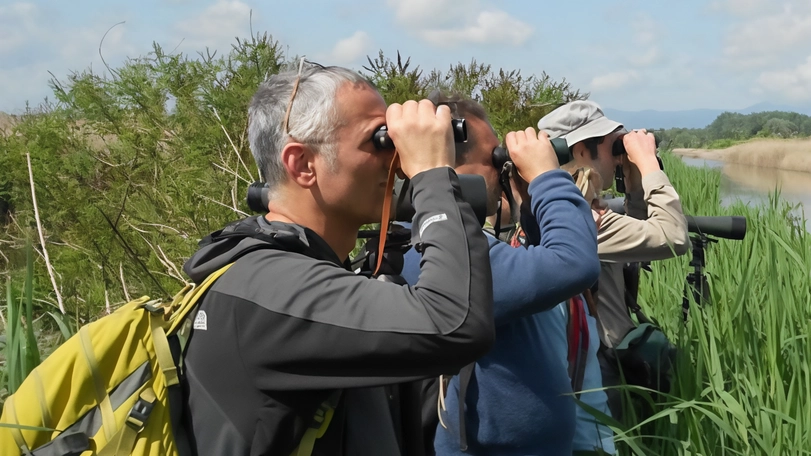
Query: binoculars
{"x": 382, "y": 141}
{"x": 501, "y": 155}
{"x": 472, "y": 186}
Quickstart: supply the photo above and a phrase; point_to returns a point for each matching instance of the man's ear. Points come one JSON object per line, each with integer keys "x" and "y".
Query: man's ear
{"x": 581, "y": 154}
{"x": 578, "y": 152}
{"x": 299, "y": 162}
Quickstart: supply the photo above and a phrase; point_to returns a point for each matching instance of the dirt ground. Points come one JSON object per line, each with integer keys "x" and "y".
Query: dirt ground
{"x": 788, "y": 154}
{"x": 6, "y": 123}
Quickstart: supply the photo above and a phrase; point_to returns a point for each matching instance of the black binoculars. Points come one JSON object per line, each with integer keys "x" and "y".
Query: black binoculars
{"x": 501, "y": 155}
{"x": 382, "y": 141}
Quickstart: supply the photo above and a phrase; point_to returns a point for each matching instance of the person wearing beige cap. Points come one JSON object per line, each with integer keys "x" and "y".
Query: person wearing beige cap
{"x": 653, "y": 227}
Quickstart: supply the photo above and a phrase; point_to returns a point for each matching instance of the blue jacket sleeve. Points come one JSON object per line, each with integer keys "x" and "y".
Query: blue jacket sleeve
{"x": 561, "y": 260}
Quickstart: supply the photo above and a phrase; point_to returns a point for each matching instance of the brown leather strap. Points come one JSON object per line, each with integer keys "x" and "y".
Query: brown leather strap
{"x": 384, "y": 222}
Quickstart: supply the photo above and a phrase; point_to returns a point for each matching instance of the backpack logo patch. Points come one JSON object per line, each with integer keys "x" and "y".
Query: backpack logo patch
{"x": 201, "y": 320}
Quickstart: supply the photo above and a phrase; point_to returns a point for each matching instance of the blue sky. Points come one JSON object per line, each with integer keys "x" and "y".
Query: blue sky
{"x": 629, "y": 54}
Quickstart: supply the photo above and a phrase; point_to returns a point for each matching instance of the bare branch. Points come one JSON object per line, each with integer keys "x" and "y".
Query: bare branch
{"x": 102, "y": 42}
{"x": 170, "y": 267}
{"x": 123, "y": 283}
{"x": 237, "y": 211}
{"x": 42, "y": 237}
{"x": 158, "y": 225}
{"x": 230, "y": 171}
{"x": 178, "y": 274}
{"x": 236, "y": 151}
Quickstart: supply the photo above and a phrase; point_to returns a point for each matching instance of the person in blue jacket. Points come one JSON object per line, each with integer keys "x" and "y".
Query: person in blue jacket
{"x": 518, "y": 398}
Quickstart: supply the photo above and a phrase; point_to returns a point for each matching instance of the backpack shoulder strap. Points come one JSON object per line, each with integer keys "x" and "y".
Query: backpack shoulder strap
{"x": 318, "y": 425}
{"x": 630, "y": 275}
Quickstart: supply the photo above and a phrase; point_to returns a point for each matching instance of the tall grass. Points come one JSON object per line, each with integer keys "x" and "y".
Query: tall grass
{"x": 742, "y": 384}
{"x": 22, "y": 346}
{"x": 21, "y": 351}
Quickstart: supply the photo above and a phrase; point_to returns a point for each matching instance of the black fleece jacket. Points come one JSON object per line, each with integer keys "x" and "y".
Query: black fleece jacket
{"x": 288, "y": 324}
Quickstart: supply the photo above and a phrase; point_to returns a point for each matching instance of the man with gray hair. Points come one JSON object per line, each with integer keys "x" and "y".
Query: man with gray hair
{"x": 653, "y": 227}
{"x": 291, "y": 352}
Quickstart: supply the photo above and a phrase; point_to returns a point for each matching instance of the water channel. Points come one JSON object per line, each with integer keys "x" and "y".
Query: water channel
{"x": 753, "y": 185}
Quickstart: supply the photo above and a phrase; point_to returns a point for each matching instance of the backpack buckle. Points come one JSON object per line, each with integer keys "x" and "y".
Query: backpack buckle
{"x": 139, "y": 413}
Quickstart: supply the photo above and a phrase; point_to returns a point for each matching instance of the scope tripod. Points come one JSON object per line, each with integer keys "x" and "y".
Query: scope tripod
{"x": 697, "y": 280}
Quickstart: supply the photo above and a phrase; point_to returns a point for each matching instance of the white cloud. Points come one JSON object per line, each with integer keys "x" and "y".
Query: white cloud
{"x": 645, "y": 59}
{"x": 747, "y": 8}
{"x": 17, "y": 24}
{"x": 647, "y": 32}
{"x": 35, "y": 41}
{"x": 765, "y": 38}
{"x": 423, "y": 14}
{"x": 447, "y": 23}
{"x": 615, "y": 80}
{"x": 348, "y": 50}
{"x": 740, "y": 7}
{"x": 646, "y": 29}
{"x": 791, "y": 84}
{"x": 217, "y": 26}
{"x": 490, "y": 27}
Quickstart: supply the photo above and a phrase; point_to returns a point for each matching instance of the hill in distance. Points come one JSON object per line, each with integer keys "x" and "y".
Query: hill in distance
{"x": 692, "y": 118}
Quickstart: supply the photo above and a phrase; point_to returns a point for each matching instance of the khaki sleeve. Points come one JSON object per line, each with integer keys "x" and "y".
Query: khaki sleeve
{"x": 662, "y": 234}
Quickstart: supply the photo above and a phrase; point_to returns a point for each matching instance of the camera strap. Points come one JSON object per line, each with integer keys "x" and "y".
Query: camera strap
{"x": 386, "y": 214}
{"x": 504, "y": 181}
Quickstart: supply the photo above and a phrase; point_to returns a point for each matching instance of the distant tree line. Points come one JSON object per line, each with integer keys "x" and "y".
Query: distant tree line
{"x": 729, "y": 128}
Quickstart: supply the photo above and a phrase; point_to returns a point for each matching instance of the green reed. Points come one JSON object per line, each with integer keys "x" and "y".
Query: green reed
{"x": 742, "y": 384}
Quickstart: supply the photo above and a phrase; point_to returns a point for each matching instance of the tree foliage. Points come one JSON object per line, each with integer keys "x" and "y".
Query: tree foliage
{"x": 512, "y": 101}
{"x": 730, "y": 127}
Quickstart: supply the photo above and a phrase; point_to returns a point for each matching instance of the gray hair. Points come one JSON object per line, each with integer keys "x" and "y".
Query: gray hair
{"x": 461, "y": 107}
{"x": 313, "y": 119}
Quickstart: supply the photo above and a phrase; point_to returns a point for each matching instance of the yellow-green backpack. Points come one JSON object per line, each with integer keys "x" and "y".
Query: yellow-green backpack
{"x": 113, "y": 388}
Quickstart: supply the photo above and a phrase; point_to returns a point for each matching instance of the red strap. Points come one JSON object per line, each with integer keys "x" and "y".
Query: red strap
{"x": 578, "y": 332}
{"x": 574, "y": 331}
{"x": 515, "y": 240}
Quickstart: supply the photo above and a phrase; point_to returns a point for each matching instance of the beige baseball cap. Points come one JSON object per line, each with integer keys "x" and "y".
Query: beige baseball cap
{"x": 576, "y": 121}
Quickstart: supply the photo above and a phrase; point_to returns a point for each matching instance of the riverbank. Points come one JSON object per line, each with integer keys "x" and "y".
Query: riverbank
{"x": 786, "y": 154}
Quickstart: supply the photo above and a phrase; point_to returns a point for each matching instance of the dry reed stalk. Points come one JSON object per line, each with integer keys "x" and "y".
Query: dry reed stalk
{"x": 42, "y": 237}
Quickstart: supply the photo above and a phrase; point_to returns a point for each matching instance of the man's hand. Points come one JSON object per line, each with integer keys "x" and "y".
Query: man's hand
{"x": 641, "y": 148}
{"x": 633, "y": 178}
{"x": 520, "y": 189}
{"x": 531, "y": 153}
{"x": 422, "y": 135}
